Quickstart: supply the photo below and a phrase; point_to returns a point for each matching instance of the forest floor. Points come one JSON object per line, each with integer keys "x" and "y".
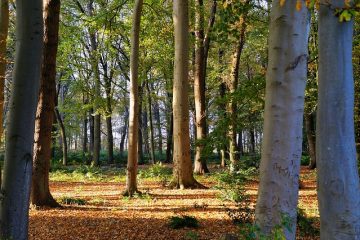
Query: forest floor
{"x": 96, "y": 209}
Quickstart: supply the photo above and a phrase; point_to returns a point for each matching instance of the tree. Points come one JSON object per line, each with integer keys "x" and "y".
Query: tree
{"x": 4, "y": 27}
{"x": 338, "y": 177}
{"x": 40, "y": 192}
{"x": 182, "y": 173}
{"x": 131, "y": 181}
{"x": 14, "y": 209}
{"x": 284, "y": 104}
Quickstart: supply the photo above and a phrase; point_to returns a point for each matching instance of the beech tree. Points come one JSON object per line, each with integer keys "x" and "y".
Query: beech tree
{"x": 40, "y": 192}
{"x": 284, "y": 104}
{"x": 131, "y": 180}
{"x": 338, "y": 177}
{"x": 14, "y": 208}
{"x": 182, "y": 172}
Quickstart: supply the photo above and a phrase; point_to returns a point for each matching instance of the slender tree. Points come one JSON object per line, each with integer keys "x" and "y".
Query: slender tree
{"x": 284, "y": 104}
{"x": 338, "y": 177}
{"x": 182, "y": 173}
{"x": 15, "y": 189}
{"x": 40, "y": 192}
{"x": 131, "y": 181}
{"x": 4, "y": 27}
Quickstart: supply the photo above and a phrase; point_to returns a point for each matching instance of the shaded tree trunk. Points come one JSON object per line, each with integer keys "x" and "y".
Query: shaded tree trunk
{"x": 199, "y": 90}
{"x": 131, "y": 181}
{"x": 151, "y": 125}
{"x": 338, "y": 176}
{"x": 40, "y": 192}
{"x": 124, "y": 132}
{"x": 232, "y": 85}
{"x": 311, "y": 139}
{"x": 91, "y": 143}
{"x": 15, "y": 189}
{"x": 284, "y": 107}
{"x": 63, "y": 137}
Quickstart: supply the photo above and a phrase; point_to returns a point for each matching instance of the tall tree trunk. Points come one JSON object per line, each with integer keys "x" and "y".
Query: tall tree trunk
{"x": 151, "y": 125}
{"x": 91, "y": 143}
{"x": 131, "y": 181}
{"x": 284, "y": 105}
{"x": 15, "y": 189}
{"x": 63, "y": 137}
{"x": 182, "y": 173}
{"x": 85, "y": 139}
{"x": 158, "y": 126}
{"x": 4, "y": 27}
{"x": 140, "y": 131}
{"x": 311, "y": 139}
{"x": 40, "y": 192}
{"x": 97, "y": 89}
{"x": 338, "y": 176}
{"x": 232, "y": 85}
{"x": 124, "y": 132}
{"x": 199, "y": 90}
{"x": 109, "y": 130}
{"x": 169, "y": 141}
{"x": 223, "y": 150}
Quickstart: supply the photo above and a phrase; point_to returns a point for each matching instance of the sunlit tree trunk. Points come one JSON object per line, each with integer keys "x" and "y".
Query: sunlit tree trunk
{"x": 182, "y": 173}
{"x": 131, "y": 181}
{"x": 40, "y": 192}
{"x": 338, "y": 177}
{"x": 15, "y": 189}
{"x": 284, "y": 105}
{"x": 151, "y": 125}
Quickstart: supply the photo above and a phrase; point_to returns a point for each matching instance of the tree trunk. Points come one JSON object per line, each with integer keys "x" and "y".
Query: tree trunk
{"x": 15, "y": 189}
{"x": 284, "y": 105}
{"x": 182, "y": 173}
{"x": 97, "y": 89}
{"x": 158, "y": 126}
{"x": 110, "y": 140}
{"x": 169, "y": 141}
{"x": 311, "y": 139}
{"x": 85, "y": 139}
{"x": 140, "y": 123}
{"x": 4, "y": 27}
{"x": 131, "y": 181}
{"x": 91, "y": 144}
{"x": 151, "y": 125}
{"x": 63, "y": 137}
{"x": 199, "y": 90}
{"x": 338, "y": 177}
{"x": 232, "y": 86}
{"x": 40, "y": 192}
{"x": 124, "y": 132}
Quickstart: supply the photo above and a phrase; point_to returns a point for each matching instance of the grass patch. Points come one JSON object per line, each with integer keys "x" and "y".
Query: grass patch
{"x": 72, "y": 201}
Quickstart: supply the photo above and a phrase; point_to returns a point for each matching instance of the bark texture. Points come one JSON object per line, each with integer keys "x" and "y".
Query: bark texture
{"x": 284, "y": 106}
{"x": 182, "y": 173}
{"x": 15, "y": 189}
{"x": 40, "y": 192}
{"x": 132, "y": 164}
{"x": 338, "y": 177}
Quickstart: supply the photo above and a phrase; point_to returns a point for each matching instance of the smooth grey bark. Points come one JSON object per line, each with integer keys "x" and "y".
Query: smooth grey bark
{"x": 132, "y": 164}
{"x": 338, "y": 177}
{"x": 284, "y": 106}
{"x": 15, "y": 189}
{"x": 182, "y": 173}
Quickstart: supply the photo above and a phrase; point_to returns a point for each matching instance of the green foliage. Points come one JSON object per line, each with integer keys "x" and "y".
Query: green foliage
{"x": 177, "y": 222}
{"x": 191, "y": 235}
{"x": 306, "y": 224}
{"x": 253, "y": 232}
{"x": 232, "y": 187}
{"x": 157, "y": 170}
{"x": 72, "y": 201}
{"x": 305, "y": 160}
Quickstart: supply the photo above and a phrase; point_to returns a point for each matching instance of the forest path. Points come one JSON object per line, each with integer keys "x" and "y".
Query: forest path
{"x": 107, "y": 215}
